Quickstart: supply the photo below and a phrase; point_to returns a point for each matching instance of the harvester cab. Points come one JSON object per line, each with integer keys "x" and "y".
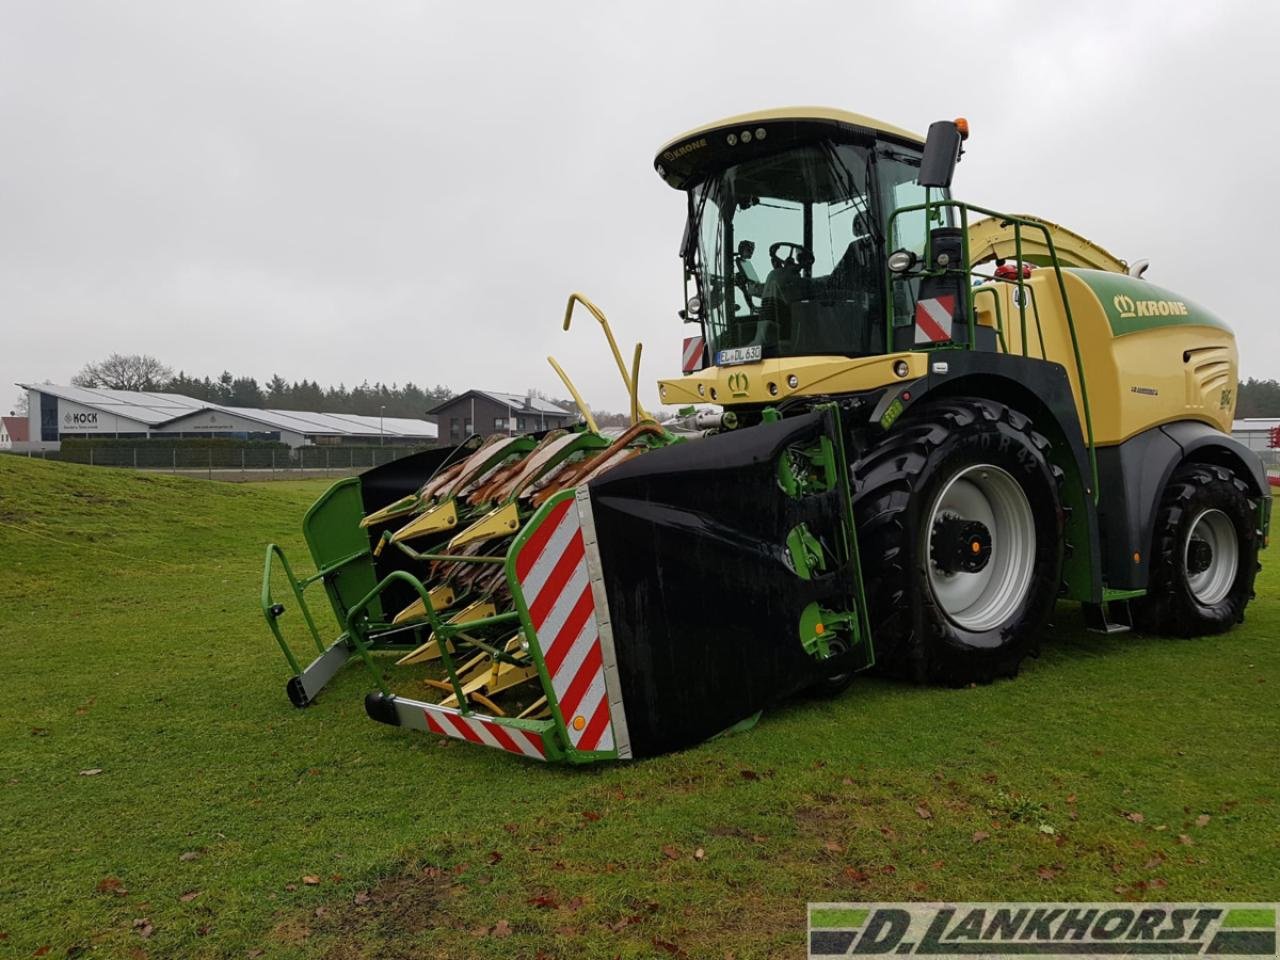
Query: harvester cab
{"x": 920, "y": 404}
{"x": 788, "y": 223}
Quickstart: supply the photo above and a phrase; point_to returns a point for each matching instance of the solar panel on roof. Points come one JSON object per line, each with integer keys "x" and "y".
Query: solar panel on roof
{"x": 159, "y": 409}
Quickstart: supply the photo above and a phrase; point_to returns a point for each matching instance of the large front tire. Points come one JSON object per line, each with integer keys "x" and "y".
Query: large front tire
{"x": 960, "y": 527}
{"x": 1205, "y": 554}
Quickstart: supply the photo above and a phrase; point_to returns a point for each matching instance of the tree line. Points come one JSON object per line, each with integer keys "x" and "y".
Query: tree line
{"x": 1258, "y": 398}
{"x": 140, "y": 372}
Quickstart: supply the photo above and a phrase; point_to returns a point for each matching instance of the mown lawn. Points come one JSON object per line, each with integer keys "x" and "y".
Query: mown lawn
{"x": 222, "y": 822}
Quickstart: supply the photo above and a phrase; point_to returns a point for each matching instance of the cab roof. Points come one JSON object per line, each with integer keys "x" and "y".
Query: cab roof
{"x": 683, "y": 160}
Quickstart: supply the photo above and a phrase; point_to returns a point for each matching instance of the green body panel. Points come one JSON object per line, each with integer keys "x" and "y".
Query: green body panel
{"x": 1133, "y": 305}
{"x": 340, "y": 547}
{"x": 1078, "y": 573}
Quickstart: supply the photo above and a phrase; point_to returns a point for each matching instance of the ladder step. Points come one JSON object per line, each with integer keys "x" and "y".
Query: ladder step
{"x": 1110, "y": 616}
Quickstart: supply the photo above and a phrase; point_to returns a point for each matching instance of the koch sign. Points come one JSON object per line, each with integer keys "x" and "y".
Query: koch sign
{"x": 1074, "y": 930}
{"x": 74, "y": 418}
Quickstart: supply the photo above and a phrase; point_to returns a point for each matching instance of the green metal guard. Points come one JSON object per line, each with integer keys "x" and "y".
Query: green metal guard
{"x": 359, "y": 630}
{"x": 932, "y": 208}
{"x": 272, "y": 610}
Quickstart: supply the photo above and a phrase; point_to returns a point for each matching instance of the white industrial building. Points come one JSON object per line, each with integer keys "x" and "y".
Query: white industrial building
{"x": 57, "y": 412}
{"x": 1255, "y": 432}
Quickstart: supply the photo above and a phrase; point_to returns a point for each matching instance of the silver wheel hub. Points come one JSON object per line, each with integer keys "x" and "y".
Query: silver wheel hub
{"x": 1211, "y": 556}
{"x": 987, "y": 498}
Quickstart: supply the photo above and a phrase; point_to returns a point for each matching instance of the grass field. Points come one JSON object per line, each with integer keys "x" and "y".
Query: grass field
{"x": 159, "y": 797}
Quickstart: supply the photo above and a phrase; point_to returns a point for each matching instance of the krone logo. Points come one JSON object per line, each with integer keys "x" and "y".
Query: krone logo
{"x": 738, "y": 384}
{"x": 680, "y": 151}
{"x": 1128, "y": 307}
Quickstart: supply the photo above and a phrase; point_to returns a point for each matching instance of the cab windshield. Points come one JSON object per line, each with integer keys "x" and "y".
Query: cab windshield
{"x": 786, "y": 252}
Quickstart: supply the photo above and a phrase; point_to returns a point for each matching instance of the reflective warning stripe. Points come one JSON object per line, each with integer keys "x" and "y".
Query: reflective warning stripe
{"x": 450, "y": 723}
{"x": 933, "y": 319}
{"x": 694, "y": 348}
{"x": 551, "y": 568}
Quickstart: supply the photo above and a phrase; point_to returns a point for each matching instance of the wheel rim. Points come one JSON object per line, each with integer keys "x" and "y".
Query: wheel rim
{"x": 1213, "y": 582}
{"x": 982, "y": 600}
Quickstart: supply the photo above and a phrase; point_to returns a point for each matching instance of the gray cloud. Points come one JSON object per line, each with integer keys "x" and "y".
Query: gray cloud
{"x": 407, "y": 191}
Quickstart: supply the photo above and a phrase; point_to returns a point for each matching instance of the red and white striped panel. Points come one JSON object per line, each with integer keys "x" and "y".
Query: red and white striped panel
{"x": 484, "y": 731}
{"x": 552, "y": 570}
{"x": 694, "y": 350}
{"x": 933, "y": 319}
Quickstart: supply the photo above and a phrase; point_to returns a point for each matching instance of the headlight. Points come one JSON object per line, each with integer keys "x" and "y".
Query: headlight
{"x": 900, "y": 261}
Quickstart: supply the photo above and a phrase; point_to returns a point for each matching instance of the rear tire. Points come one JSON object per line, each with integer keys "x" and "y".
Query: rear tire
{"x": 1204, "y": 557}
{"x": 953, "y": 477}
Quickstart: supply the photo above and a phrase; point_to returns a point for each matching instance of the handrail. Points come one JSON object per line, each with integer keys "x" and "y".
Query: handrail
{"x": 1018, "y": 223}
{"x": 268, "y": 604}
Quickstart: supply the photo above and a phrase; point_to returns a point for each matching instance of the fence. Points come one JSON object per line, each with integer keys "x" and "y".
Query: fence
{"x": 1270, "y": 458}
{"x": 224, "y": 460}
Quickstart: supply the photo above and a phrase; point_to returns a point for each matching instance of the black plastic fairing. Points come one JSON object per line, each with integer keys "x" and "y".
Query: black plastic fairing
{"x": 704, "y": 603}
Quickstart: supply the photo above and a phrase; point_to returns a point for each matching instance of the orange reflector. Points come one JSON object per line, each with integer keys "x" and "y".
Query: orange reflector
{"x": 976, "y": 547}
{"x": 579, "y": 722}
{"x": 963, "y": 126}
{"x": 820, "y": 629}
{"x": 1137, "y": 557}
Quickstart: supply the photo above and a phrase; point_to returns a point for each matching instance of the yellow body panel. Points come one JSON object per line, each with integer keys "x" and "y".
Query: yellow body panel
{"x": 990, "y": 239}
{"x": 766, "y": 381}
{"x": 403, "y": 506}
{"x": 796, "y": 113}
{"x": 431, "y": 649}
{"x": 1135, "y": 381}
{"x": 440, "y": 517}
{"x": 498, "y": 522}
{"x": 441, "y": 598}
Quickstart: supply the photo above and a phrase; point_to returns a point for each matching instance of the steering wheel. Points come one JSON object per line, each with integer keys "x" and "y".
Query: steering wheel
{"x": 798, "y": 255}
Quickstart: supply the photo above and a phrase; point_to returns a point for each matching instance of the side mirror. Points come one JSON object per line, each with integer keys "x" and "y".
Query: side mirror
{"x": 942, "y": 149}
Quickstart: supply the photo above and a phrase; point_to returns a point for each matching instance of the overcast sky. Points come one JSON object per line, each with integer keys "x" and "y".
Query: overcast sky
{"x": 409, "y": 191}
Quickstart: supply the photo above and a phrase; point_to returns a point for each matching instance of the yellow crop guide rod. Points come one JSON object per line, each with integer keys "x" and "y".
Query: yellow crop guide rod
{"x": 596, "y": 312}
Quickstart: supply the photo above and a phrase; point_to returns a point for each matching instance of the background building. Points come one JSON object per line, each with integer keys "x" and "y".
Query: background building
{"x": 13, "y": 433}
{"x": 1256, "y": 434}
{"x": 59, "y": 412}
{"x": 487, "y": 411}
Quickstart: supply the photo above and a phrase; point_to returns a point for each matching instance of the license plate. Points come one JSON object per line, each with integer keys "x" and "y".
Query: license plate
{"x": 727, "y": 358}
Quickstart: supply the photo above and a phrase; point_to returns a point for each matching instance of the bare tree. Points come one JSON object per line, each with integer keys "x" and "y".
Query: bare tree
{"x": 133, "y": 371}
{"x": 20, "y": 405}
